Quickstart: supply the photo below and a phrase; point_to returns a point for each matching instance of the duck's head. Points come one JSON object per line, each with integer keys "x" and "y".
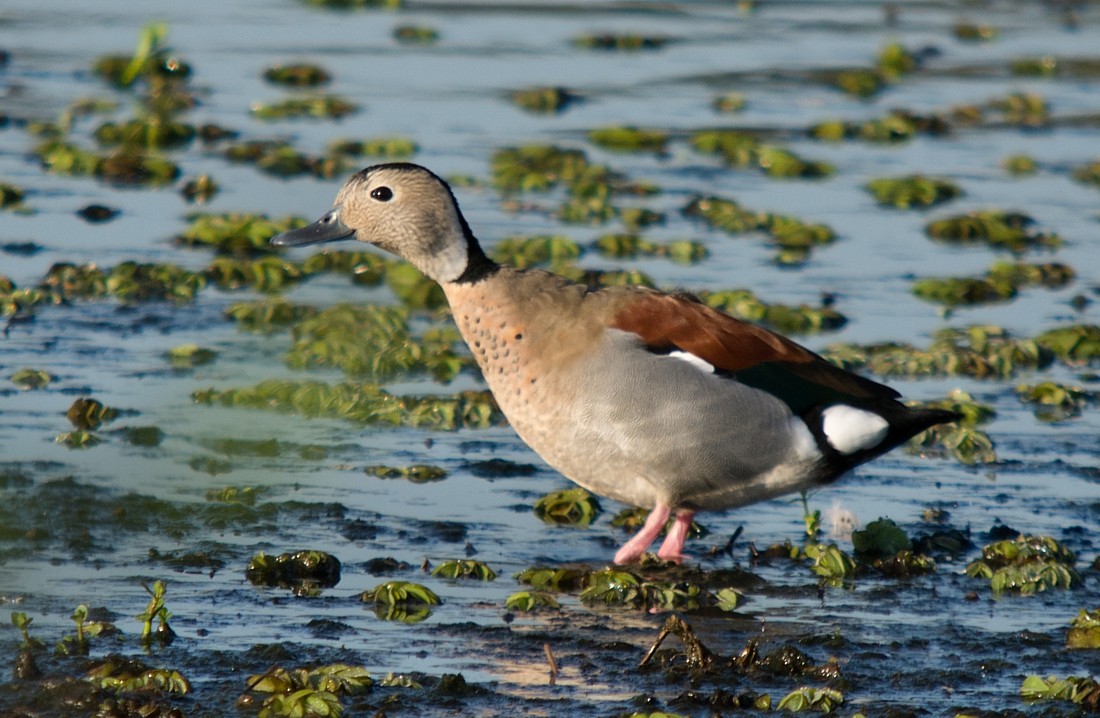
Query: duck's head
{"x": 404, "y": 209}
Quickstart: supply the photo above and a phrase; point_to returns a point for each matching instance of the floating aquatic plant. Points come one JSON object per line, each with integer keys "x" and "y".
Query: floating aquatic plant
{"x": 86, "y": 413}
{"x": 793, "y": 238}
{"x": 1084, "y": 630}
{"x": 786, "y": 318}
{"x": 189, "y": 356}
{"x": 913, "y": 191}
{"x": 630, "y": 246}
{"x": 1020, "y": 165}
{"x": 301, "y": 571}
{"x": 317, "y": 107}
{"x": 625, "y": 138}
{"x": 612, "y": 41}
{"x": 393, "y": 148}
{"x": 238, "y": 235}
{"x": 524, "y": 252}
{"x": 1027, "y": 564}
{"x": 972, "y": 32}
{"x": 126, "y": 675}
{"x": 11, "y": 197}
{"x": 1088, "y": 173}
{"x": 401, "y": 601}
{"x": 571, "y": 507}
{"x": 743, "y": 150}
{"x": 729, "y": 102}
{"x": 1001, "y": 283}
{"x": 29, "y": 379}
{"x": 464, "y": 568}
{"x": 961, "y": 439}
{"x": 531, "y": 601}
{"x": 880, "y": 538}
{"x": 373, "y": 341}
{"x": 1055, "y": 402}
{"x": 1073, "y": 344}
{"x": 415, "y": 35}
{"x": 362, "y": 403}
{"x": 417, "y": 473}
{"x": 821, "y": 700}
{"x": 553, "y": 579}
{"x": 298, "y": 74}
{"x": 307, "y": 693}
{"x": 544, "y": 100}
{"x": 632, "y": 519}
{"x": 1079, "y": 690}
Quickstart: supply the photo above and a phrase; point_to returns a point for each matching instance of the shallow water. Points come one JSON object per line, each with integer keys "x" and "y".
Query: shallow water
{"x": 917, "y": 645}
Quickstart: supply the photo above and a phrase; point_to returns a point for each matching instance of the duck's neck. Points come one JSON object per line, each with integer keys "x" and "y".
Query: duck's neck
{"x": 478, "y": 264}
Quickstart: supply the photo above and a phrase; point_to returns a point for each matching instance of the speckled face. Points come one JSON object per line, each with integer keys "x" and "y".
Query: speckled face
{"x": 406, "y": 210}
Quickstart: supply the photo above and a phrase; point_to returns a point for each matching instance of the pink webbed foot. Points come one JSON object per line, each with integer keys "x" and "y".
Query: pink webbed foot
{"x": 638, "y": 543}
{"x": 673, "y": 546}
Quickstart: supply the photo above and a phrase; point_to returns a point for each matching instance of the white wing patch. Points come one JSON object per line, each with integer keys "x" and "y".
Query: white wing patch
{"x": 700, "y": 364}
{"x": 805, "y": 448}
{"x": 849, "y": 429}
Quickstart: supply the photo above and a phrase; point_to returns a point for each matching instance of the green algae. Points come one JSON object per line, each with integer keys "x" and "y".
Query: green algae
{"x": 569, "y": 507}
{"x": 125, "y": 166}
{"x": 360, "y": 403}
{"x": 1026, "y": 109}
{"x": 913, "y": 191}
{"x": 896, "y": 126}
{"x": 1012, "y": 231}
{"x": 152, "y": 133}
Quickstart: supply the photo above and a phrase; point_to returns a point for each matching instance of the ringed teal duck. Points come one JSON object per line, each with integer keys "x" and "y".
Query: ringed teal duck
{"x": 649, "y": 398}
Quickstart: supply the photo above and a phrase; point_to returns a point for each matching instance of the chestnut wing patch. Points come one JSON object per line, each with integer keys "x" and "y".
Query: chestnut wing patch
{"x": 750, "y": 354}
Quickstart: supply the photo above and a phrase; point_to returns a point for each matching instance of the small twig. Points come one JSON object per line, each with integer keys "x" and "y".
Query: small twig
{"x": 656, "y": 644}
{"x": 552, "y": 662}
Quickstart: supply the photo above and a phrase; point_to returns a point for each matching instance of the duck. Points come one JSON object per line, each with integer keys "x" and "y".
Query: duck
{"x": 646, "y": 397}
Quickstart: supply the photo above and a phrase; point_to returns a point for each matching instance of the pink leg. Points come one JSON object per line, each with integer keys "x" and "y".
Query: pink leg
{"x": 672, "y": 548}
{"x": 637, "y": 545}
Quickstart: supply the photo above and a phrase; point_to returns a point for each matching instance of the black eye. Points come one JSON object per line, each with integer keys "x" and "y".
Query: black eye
{"x": 382, "y": 194}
